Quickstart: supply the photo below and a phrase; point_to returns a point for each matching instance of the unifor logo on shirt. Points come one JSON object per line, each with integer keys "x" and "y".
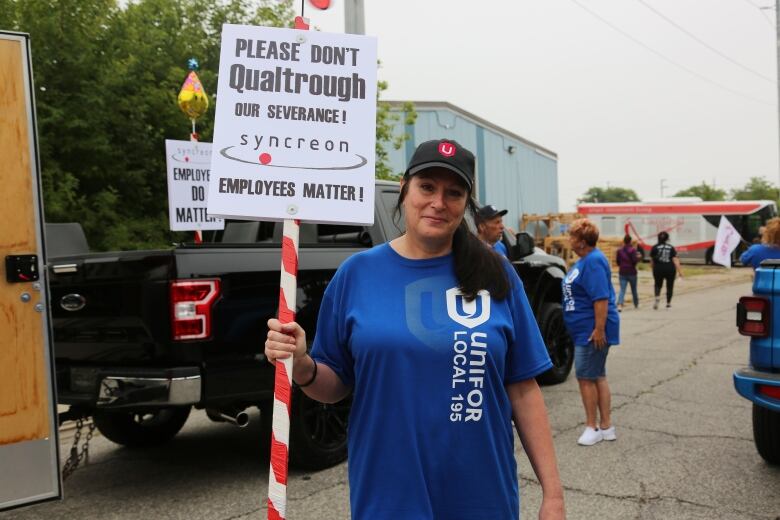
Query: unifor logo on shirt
{"x": 469, "y": 314}
{"x": 568, "y": 297}
{"x": 469, "y": 352}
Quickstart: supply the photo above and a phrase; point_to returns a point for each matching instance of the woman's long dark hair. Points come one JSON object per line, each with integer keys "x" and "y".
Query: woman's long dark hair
{"x": 477, "y": 265}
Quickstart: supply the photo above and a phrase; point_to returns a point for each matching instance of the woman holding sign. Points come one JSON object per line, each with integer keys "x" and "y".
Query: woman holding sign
{"x": 430, "y": 432}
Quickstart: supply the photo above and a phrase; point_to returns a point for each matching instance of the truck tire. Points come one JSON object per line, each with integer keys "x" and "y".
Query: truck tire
{"x": 318, "y": 432}
{"x": 708, "y": 256}
{"x": 766, "y": 433}
{"x": 559, "y": 344}
{"x": 139, "y": 429}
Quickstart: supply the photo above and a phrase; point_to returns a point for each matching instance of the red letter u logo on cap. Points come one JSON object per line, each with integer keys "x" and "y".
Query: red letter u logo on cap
{"x": 447, "y": 149}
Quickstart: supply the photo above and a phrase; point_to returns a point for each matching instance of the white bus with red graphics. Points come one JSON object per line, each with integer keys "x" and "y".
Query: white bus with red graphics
{"x": 692, "y": 224}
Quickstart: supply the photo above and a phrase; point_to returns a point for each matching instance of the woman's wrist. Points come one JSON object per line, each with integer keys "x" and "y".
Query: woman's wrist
{"x": 313, "y": 376}
{"x": 552, "y": 491}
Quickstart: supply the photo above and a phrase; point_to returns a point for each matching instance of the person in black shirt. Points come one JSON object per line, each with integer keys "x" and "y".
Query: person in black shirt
{"x": 663, "y": 258}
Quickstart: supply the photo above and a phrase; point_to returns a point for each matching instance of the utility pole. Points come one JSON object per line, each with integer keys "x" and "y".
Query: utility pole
{"x": 777, "y": 25}
{"x": 355, "y": 19}
{"x": 663, "y": 181}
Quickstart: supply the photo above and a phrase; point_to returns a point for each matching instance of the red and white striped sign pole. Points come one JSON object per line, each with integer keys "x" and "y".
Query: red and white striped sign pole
{"x": 280, "y": 433}
{"x": 280, "y": 429}
{"x": 194, "y": 139}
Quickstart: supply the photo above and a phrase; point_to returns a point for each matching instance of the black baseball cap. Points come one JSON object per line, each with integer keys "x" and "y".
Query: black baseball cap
{"x": 490, "y": 212}
{"x": 443, "y": 153}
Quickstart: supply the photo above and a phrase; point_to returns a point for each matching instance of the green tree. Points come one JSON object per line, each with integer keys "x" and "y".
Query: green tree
{"x": 703, "y": 191}
{"x": 609, "y": 194}
{"x": 757, "y": 188}
{"x": 66, "y": 51}
{"x": 386, "y": 119}
{"x": 107, "y": 77}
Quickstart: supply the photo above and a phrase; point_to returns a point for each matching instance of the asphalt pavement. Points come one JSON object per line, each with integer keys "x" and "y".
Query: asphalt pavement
{"x": 684, "y": 447}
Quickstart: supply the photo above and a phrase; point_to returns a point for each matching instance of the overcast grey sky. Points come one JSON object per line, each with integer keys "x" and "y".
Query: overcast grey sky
{"x": 614, "y": 111}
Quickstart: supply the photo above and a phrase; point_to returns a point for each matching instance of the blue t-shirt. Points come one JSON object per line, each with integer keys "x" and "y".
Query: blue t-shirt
{"x": 501, "y": 248}
{"x": 758, "y": 252}
{"x": 430, "y": 430}
{"x": 589, "y": 280}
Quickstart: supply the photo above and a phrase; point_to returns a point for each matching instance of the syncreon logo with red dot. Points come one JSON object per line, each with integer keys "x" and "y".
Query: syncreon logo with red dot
{"x": 447, "y": 149}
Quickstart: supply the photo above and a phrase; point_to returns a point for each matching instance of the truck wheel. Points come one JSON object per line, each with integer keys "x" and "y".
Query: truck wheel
{"x": 766, "y": 433}
{"x": 708, "y": 255}
{"x": 138, "y": 429}
{"x": 318, "y": 432}
{"x": 559, "y": 344}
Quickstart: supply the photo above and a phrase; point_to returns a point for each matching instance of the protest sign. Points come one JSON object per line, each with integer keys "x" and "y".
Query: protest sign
{"x": 295, "y": 126}
{"x": 189, "y": 165}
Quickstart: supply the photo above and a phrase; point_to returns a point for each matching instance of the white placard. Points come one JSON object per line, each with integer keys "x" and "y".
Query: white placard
{"x": 189, "y": 168}
{"x": 295, "y": 128}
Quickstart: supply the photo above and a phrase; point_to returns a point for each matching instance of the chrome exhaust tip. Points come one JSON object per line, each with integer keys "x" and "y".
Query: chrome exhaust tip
{"x": 237, "y": 418}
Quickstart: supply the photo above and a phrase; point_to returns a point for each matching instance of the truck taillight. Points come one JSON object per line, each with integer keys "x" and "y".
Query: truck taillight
{"x": 769, "y": 391}
{"x": 191, "y": 303}
{"x": 753, "y": 316}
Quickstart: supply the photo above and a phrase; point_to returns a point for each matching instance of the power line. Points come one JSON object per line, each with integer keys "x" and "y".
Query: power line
{"x": 705, "y": 44}
{"x": 763, "y": 13}
{"x": 669, "y": 60}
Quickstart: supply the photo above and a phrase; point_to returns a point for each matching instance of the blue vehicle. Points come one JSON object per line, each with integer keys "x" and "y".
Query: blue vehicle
{"x": 760, "y": 382}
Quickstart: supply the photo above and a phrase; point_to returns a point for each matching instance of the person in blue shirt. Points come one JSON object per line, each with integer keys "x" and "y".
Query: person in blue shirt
{"x": 490, "y": 227}
{"x": 440, "y": 357}
{"x": 592, "y": 320}
{"x": 768, "y": 248}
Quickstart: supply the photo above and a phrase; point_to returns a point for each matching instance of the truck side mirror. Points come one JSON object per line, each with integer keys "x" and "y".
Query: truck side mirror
{"x": 524, "y": 246}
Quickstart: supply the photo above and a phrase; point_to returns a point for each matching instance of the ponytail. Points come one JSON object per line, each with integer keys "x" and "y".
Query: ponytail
{"x": 477, "y": 265}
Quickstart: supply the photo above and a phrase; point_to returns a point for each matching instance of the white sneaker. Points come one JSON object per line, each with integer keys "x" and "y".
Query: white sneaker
{"x": 590, "y": 437}
{"x": 655, "y": 304}
{"x": 609, "y": 434}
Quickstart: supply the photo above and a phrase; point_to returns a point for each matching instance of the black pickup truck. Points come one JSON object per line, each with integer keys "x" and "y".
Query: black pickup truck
{"x": 141, "y": 337}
